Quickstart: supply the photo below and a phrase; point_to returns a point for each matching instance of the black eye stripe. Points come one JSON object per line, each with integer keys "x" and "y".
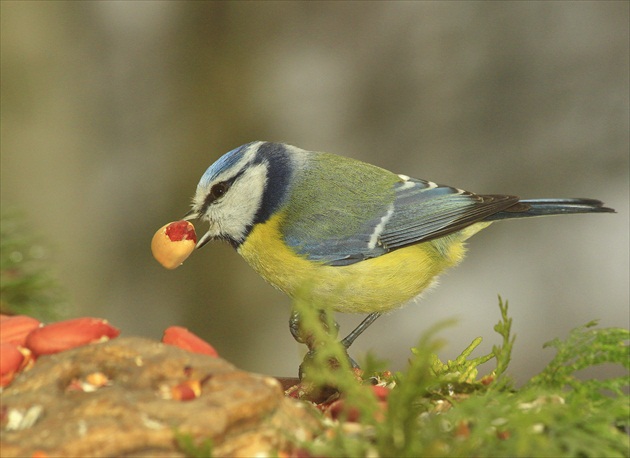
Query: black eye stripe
{"x": 219, "y": 189}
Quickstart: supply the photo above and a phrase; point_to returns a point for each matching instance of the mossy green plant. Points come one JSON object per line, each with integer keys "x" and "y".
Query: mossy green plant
{"x": 27, "y": 284}
{"x": 189, "y": 447}
{"x": 447, "y": 409}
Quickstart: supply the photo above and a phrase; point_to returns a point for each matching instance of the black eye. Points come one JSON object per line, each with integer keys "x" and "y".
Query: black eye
{"x": 219, "y": 189}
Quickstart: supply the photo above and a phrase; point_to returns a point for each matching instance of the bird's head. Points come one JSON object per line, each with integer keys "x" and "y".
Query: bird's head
{"x": 243, "y": 188}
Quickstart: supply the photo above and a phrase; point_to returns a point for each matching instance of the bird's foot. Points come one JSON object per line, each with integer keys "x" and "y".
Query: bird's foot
{"x": 305, "y": 336}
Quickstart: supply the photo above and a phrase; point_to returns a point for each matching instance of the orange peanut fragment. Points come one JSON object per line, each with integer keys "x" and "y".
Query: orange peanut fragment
{"x": 173, "y": 243}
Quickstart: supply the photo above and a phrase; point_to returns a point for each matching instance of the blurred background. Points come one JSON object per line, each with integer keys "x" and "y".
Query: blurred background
{"x": 111, "y": 112}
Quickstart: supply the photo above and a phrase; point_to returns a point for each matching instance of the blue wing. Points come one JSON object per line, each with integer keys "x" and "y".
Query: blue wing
{"x": 420, "y": 211}
{"x": 424, "y": 211}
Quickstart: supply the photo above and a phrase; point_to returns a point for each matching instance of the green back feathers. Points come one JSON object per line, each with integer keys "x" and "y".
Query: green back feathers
{"x": 329, "y": 200}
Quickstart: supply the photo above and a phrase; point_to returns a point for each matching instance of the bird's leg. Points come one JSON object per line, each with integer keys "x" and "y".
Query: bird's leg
{"x": 356, "y": 332}
{"x": 306, "y": 337}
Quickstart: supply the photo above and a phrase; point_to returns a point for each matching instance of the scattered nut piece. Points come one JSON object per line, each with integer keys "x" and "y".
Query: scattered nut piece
{"x": 98, "y": 379}
{"x": 68, "y": 334}
{"x": 186, "y": 340}
{"x": 23, "y": 419}
{"x": 11, "y": 360}
{"x": 14, "y": 329}
{"x": 90, "y": 383}
{"x": 186, "y": 391}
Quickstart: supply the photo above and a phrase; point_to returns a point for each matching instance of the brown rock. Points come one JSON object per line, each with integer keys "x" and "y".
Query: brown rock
{"x": 130, "y": 413}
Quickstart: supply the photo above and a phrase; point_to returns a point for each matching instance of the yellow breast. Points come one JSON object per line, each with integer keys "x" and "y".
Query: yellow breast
{"x": 374, "y": 285}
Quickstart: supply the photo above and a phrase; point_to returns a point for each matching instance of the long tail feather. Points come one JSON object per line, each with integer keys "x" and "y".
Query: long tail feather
{"x": 542, "y": 207}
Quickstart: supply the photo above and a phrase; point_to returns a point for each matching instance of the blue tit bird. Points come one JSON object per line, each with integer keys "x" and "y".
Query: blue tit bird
{"x": 362, "y": 239}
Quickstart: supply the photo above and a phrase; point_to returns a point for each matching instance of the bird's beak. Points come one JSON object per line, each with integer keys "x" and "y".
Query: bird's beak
{"x": 205, "y": 238}
{"x": 192, "y": 214}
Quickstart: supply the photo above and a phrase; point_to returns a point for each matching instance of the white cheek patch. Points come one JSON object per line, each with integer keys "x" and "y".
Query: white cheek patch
{"x": 235, "y": 211}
